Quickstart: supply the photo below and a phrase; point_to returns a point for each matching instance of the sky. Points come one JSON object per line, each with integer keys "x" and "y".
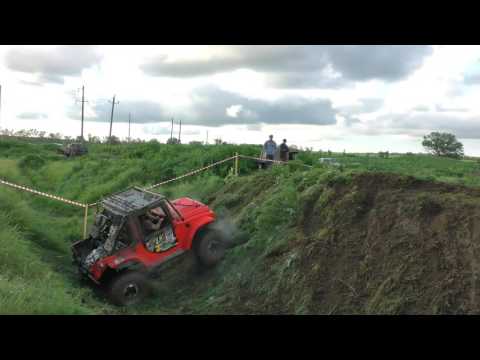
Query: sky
{"x": 357, "y": 98}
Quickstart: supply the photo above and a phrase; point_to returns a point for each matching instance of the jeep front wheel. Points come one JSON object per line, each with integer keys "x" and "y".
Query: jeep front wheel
{"x": 129, "y": 289}
{"x": 210, "y": 247}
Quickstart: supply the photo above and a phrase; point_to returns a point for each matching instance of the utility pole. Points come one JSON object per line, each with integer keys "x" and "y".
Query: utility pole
{"x": 171, "y": 133}
{"x": 128, "y": 127}
{"x": 179, "y": 131}
{"x": 83, "y": 103}
{"x": 207, "y": 139}
{"x": 111, "y": 119}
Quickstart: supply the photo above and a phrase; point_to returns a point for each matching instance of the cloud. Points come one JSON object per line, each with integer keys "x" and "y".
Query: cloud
{"x": 418, "y": 124}
{"x": 142, "y": 112}
{"x": 32, "y": 116}
{"x": 166, "y": 130}
{"x": 350, "y": 120}
{"x": 211, "y": 106}
{"x": 367, "y": 105}
{"x": 234, "y": 110}
{"x": 472, "y": 79}
{"x": 254, "y": 127}
{"x": 421, "y": 108}
{"x": 50, "y": 78}
{"x": 31, "y": 83}
{"x": 440, "y": 108}
{"x": 51, "y": 66}
{"x": 301, "y": 66}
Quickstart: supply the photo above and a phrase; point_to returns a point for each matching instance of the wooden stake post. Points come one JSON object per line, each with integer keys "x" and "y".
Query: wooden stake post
{"x": 85, "y": 221}
{"x": 236, "y": 164}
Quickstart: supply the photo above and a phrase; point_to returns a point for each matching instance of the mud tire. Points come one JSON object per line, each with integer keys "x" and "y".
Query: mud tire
{"x": 209, "y": 247}
{"x": 129, "y": 288}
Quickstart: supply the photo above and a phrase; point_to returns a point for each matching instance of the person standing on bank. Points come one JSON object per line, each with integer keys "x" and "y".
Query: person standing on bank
{"x": 270, "y": 147}
{"x": 284, "y": 151}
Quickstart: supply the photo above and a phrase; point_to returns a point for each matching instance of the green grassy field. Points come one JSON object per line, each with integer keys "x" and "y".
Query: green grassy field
{"x": 36, "y": 275}
{"x": 464, "y": 172}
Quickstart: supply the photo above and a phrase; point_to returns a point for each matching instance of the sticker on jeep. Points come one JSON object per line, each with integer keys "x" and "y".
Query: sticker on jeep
{"x": 161, "y": 240}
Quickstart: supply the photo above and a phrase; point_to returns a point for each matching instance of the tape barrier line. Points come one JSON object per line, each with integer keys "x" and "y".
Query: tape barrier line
{"x": 267, "y": 160}
{"x": 191, "y": 173}
{"x": 181, "y": 176}
{"x": 50, "y": 196}
{"x": 87, "y": 206}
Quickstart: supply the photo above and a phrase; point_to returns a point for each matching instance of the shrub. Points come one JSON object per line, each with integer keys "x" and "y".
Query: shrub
{"x": 31, "y": 162}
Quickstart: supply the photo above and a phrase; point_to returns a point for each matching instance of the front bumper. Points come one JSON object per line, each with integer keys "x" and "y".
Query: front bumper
{"x": 80, "y": 250}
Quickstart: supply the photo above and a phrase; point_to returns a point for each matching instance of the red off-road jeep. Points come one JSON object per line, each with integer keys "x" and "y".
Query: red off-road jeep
{"x": 136, "y": 232}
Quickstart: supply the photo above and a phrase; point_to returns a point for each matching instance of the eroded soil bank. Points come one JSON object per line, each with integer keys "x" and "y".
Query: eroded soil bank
{"x": 343, "y": 244}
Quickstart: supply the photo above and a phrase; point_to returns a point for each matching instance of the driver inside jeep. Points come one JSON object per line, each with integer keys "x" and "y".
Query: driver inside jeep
{"x": 152, "y": 221}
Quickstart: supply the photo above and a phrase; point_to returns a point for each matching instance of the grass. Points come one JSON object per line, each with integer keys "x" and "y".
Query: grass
{"x": 35, "y": 233}
{"x": 463, "y": 172}
{"x": 28, "y": 284}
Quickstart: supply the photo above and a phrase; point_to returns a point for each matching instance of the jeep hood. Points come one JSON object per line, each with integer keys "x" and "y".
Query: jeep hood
{"x": 189, "y": 207}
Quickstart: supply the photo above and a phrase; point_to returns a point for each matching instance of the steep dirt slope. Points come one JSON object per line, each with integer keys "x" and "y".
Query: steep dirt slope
{"x": 366, "y": 243}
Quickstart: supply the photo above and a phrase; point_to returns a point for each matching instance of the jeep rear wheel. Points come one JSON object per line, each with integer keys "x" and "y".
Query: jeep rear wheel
{"x": 210, "y": 247}
{"x": 129, "y": 288}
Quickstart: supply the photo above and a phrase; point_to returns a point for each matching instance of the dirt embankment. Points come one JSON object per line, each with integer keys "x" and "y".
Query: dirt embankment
{"x": 390, "y": 244}
{"x": 365, "y": 244}
{"x": 377, "y": 243}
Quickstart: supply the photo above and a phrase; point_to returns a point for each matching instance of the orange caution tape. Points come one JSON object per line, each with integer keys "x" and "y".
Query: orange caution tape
{"x": 50, "y": 196}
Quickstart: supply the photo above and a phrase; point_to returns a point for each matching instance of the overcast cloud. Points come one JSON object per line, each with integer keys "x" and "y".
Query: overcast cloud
{"x": 211, "y": 106}
{"x": 32, "y": 116}
{"x": 365, "y": 106}
{"x": 473, "y": 79}
{"x": 419, "y": 124}
{"x": 302, "y": 66}
{"x": 53, "y": 64}
{"x": 144, "y": 112}
{"x": 335, "y": 96}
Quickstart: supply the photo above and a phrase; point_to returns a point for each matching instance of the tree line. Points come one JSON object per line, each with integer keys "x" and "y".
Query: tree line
{"x": 43, "y": 135}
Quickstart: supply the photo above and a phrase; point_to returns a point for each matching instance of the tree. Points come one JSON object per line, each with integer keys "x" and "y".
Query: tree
{"x": 112, "y": 140}
{"x": 173, "y": 141}
{"x": 94, "y": 139}
{"x": 219, "y": 141}
{"x": 443, "y": 144}
{"x": 21, "y": 133}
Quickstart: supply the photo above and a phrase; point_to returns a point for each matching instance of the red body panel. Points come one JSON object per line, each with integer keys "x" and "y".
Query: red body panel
{"x": 195, "y": 215}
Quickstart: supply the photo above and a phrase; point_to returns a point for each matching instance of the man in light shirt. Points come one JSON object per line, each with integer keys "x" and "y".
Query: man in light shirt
{"x": 270, "y": 147}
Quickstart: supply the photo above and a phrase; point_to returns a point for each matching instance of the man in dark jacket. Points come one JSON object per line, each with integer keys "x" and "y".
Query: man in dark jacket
{"x": 284, "y": 150}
